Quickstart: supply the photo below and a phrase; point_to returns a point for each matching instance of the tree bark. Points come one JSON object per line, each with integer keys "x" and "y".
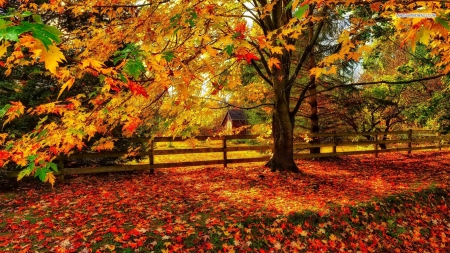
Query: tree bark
{"x": 314, "y": 118}
{"x": 283, "y": 135}
{"x": 312, "y": 101}
{"x": 282, "y": 129}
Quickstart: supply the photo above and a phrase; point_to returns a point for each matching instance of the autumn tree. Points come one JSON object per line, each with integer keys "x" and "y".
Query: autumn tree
{"x": 183, "y": 56}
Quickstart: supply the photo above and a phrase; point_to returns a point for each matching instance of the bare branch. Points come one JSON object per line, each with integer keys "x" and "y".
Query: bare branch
{"x": 240, "y": 107}
{"x": 378, "y": 82}
{"x": 308, "y": 49}
{"x": 303, "y": 95}
{"x": 261, "y": 74}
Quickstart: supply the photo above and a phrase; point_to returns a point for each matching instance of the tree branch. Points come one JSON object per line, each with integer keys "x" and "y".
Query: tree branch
{"x": 303, "y": 95}
{"x": 378, "y": 82}
{"x": 261, "y": 74}
{"x": 235, "y": 106}
{"x": 307, "y": 50}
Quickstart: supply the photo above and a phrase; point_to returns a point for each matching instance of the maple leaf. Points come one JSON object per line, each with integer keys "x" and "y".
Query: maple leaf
{"x": 248, "y": 57}
{"x": 276, "y": 50}
{"x": 274, "y": 62}
{"x": 103, "y": 144}
{"x": 376, "y": 6}
{"x": 4, "y": 155}
{"x": 95, "y": 64}
{"x": 300, "y": 11}
{"x": 67, "y": 85}
{"x": 51, "y": 57}
{"x": 4, "y": 47}
{"x": 131, "y": 124}
{"x": 333, "y": 237}
{"x": 317, "y": 71}
{"x": 136, "y": 89}
{"x": 50, "y": 177}
{"x": 13, "y": 111}
{"x": 240, "y": 29}
{"x": 289, "y": 47}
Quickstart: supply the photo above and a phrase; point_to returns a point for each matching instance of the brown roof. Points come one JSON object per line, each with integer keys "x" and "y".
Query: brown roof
{"x": 235, "y": 115}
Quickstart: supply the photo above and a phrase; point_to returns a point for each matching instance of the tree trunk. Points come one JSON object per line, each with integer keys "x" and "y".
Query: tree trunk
{"x": 314, "y": 118}
{"x": 282, "y": 129}
{"x": 383, "y": 145}
{"x": 312, "y": 101}
{"x": 283, "y": 136}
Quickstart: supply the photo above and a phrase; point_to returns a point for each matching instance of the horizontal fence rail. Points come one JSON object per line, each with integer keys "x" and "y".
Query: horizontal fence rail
{"x": 327, "y": 140}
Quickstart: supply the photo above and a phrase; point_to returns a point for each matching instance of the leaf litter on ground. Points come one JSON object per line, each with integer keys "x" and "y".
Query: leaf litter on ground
{"x": 393, "y": 203}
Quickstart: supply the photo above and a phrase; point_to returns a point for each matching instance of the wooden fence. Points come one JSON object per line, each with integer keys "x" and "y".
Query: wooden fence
{"x": 425, "y": 140}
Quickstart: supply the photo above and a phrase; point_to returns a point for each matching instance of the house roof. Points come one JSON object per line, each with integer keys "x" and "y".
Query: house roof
{"x": 237, "y": 114}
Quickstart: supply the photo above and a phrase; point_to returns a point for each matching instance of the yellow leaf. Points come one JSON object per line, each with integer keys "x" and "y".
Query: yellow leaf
{"x": 97, "y": 65}
{"x": 110, "y": 247}
{"x": 51, "y": 57}
{"x": 67, "y": 85}
{"x": 104, "y": 145}
{"x": 333, "y": 237}
{"x": 276, "y": 50}
{"x": 14, "y": 111}
{"x": 274, "y": 61}
{"x": 269, "y": 7}
{"x": 289, "y": 47}
{"x": 332, "y": 70}
{"x": 317, "y": 71}
{"x": 295, "y": 4}
{"x": 210, "y": 50}
{"x": 425, "y": 38}
{"x": 49, "y": 177}
{"x": 295, "y": 35}
{"x": 4, "y": 46}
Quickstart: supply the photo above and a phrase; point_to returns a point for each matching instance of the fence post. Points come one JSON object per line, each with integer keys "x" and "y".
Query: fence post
{"x": 376, "y": 145}
{"x": 61, "y": 168}
{"x": 224, "y": 142}
{"x": 151, "y": 157}
{"x": 439, "y": 141}
{"x": 410, "y": 141}
{"x": 334, "y": 142}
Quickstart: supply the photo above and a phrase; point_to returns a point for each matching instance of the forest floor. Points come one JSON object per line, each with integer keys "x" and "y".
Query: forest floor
{"x": 393, "y": 203}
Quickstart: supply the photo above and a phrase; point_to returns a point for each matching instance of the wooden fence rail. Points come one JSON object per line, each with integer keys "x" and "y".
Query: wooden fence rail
{"x": 335, "y": 140}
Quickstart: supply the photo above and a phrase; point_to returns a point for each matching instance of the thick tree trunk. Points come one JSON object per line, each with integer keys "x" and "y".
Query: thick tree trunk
{"x": 283, "y": 136}
{"x": 282, "y": 129}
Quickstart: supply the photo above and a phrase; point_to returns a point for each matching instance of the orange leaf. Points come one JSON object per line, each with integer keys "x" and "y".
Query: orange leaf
{"x": 274, "y": 62}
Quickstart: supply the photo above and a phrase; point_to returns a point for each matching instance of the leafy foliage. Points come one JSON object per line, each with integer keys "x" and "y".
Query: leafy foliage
{"x": 125, "y": 67}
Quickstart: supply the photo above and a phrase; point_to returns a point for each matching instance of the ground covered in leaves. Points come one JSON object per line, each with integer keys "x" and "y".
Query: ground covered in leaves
{"x": 393, "y": 203}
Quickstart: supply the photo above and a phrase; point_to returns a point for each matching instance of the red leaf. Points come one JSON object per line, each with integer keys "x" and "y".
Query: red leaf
{"x": 136, "y": 89}
{"x": 131, "y": 125}
{"x": 241, "y": 27}
{"x": 375, "y": 6}
{"x": 4, "y": 155}
{"x": 248, "y": 57}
